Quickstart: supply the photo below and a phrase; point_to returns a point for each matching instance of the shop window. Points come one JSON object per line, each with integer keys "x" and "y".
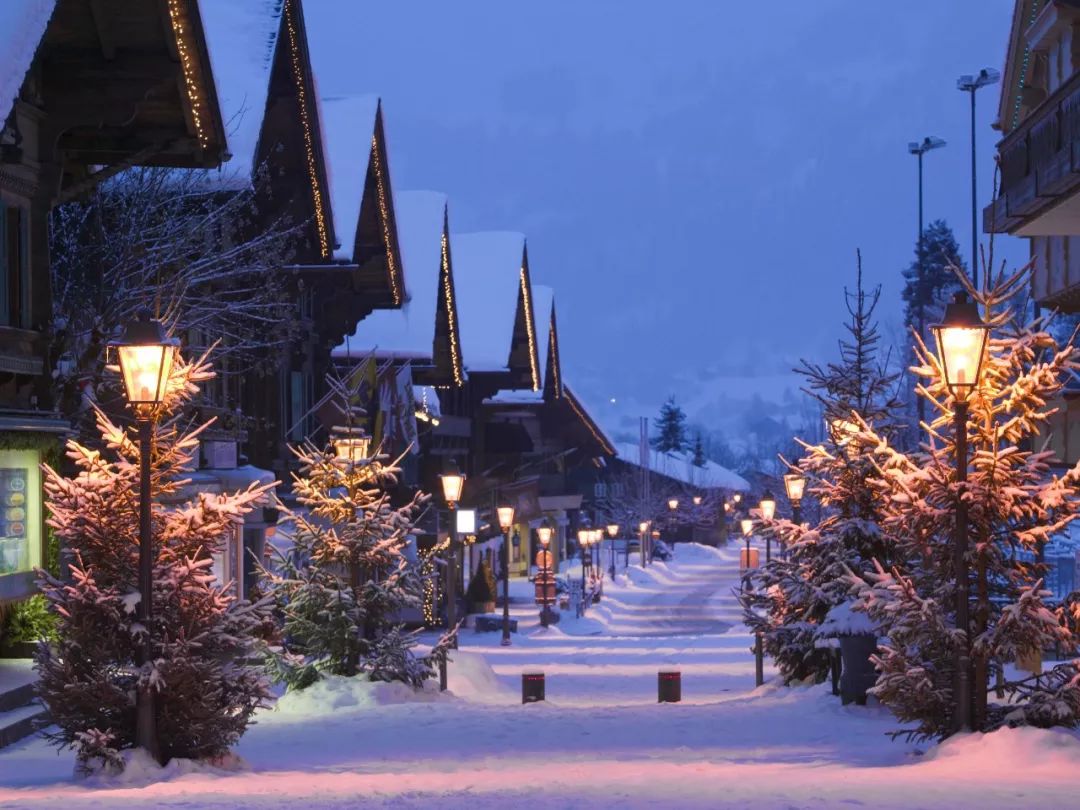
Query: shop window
{"x": 14, "y": 266}
{"x": 20, "y": 511}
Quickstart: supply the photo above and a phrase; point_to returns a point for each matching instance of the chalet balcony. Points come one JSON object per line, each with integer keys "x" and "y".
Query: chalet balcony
{"x": 1040, "y": 170}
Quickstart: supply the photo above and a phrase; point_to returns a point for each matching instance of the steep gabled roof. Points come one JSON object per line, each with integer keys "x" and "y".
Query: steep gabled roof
{"x": 488, "y": 279}
{"x": 553, "y": 383}
{"x": 1017, "y": 57}
{"x": 348, "y": 125}
{"x": 241, "y": 37}
{"x": 410, "y": 333}
{"x": 22, "y": 25}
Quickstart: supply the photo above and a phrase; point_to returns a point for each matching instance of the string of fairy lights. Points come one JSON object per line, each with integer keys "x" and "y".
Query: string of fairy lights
{"x": 553, "y": 349}
{"x": 187, "y": 65}
{"x": 309, "y": 139}
{"x": 530, "y": 329}
{"x": 451, "y": 312}
{"x": 384, "y": 216}
{"x": 588, "y": 423}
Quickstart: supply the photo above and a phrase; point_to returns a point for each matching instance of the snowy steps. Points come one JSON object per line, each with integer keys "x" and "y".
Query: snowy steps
{"x": 20, "y": 714}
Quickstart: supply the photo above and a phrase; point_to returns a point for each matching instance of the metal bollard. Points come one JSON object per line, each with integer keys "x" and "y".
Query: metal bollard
{"x": 532, "y": 687}
{"x": 669, "y": 686}
{"x": 759, "y": 661}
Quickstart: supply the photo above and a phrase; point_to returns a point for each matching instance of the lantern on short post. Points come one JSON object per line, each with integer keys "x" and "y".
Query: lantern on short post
{"x": 543, "y": 532}
{"x": 767, "y": 505}
{"x": 506, "y": 522}
{"x": 146, "y": 355}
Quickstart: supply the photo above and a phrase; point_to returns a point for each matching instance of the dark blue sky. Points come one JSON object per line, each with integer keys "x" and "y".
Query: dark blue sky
{"x": 693, "y": 175}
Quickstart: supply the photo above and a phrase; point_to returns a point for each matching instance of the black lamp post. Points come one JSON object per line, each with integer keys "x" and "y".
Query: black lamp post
{"x": 146, "y": 356}
{"x": 612, "y": 530}
{"x": 961, "y": 342}
{"x": 643, "y": 528}
{"x": 583, "y": 545}
{"x": 795, "y": 485}
{"x": 919, "y": 149}
{"x": 767, "y": 505}
{"x": 452, "y": 485}
{"x": 544, "y": 575}
{"x": 506, "y": 523}
{"x": 969, "y": 84}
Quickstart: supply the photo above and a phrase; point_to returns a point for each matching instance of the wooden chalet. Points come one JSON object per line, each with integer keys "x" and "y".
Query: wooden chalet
{"x": 1039, "y": 157}
{"x": 87, "y": 89}
{"x": 325, "y": 166}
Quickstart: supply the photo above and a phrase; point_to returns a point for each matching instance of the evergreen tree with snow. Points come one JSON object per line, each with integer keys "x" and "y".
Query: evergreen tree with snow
{"x": 670, "y": 428}
{"x": 789, "y": 598}
{"x": 940, "y": 255}
{"x": 1016, "y": 504}
{"x": 201, "y": 636}
{"x": 343, "y": 586}
{"x": 698, "y": 459}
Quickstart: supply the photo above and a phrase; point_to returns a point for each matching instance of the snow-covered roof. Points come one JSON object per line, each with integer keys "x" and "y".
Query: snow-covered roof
{"x": 409, "y": 332}
{"x": 515, "y": 397}
{"x": 680, "y": 467}
{"x": 22, "y": 25}
{"x": 241, "y": 36}
{"x": 487, "y": 281}
{"x": 542, "y": 299}
{"x": 347, "y": 123}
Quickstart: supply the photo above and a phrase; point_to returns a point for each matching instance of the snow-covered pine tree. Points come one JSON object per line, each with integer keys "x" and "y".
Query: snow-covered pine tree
{"x": 670, "y": 428}
{"x": 342, "y": 587}
{"x": 789, "y": 597}
{"x": 1016, "y": 503}
{"x": 202, "y": 637}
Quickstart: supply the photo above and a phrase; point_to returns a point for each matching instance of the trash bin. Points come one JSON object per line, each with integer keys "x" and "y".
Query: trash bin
{"x": 669, "y": 686}
{"x": 532, "y": 687}
{"x": 858, "y": 672}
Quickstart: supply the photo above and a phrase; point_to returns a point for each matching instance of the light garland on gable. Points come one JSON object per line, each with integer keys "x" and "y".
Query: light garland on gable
{"x": 530, "y": 329}
{"x": 451, "y": 315}
{"x": 309, "y": 139}
{"x": 553, "y": 347}
{"x": 384, "y": 215}
{"x": 588, "y": 423}
{"x": 187, "y": 65}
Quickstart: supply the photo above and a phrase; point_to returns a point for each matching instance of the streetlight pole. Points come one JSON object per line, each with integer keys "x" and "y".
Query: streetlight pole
{"x": 452, "y": 483}
{"x": 612, "y": 530}
{"x": 506, "y": 523}
{"x": 920, "y": 149}
{"x": 961, "y": 341}
{"x": 767, "y": 506}
{"x": 146, "y": 354}
{"x": 794, "y": 485}
{"x": 969, "y": 84}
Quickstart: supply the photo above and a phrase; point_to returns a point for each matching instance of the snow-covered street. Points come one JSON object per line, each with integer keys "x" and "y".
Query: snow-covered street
{"x": 600, "y": 740}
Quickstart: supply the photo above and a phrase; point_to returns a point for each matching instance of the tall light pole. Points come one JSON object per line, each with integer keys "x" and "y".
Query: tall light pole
{"x": 920, "y": 149}
{"x": 146, "y": 355}
{"x": 961, "y": 342}
{"x": 969, "y": 84}
{"x": 506, "y": 523}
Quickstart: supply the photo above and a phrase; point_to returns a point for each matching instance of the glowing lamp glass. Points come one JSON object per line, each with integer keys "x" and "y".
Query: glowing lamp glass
{"x": 643, "y": 526}
{"x": 673, "y": 504}
{"x": 961, "y": 342}
{"x": 612, "y": 529}
{"x": 544, "y": 533}
{"x": 146, "y": 372}
{"x": 506, "y": 517}
{"x": 697, "y": 500}
{"x": 737, "y": 497}
{"x": 767, "y": 506}
{"x": 795, "y": 484}
{"x": 452, "y": 485}
{"x": 352, "y": 448}
{"x": 747, "y": 526}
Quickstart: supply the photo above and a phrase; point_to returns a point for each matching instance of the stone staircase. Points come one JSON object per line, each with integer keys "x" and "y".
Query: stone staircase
{"x": 21, "y": 713}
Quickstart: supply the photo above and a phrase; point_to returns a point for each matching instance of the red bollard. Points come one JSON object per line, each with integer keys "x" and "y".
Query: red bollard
{"x": 669, "y": 686}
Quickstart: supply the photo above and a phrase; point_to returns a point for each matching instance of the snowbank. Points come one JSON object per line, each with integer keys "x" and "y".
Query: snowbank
{"x": 338, "y": 694}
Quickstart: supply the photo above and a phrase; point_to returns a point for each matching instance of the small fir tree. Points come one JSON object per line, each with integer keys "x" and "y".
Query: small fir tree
{"x": 343, "y": 586}
{"x": 201, "y": 635}
{"x": 940, "y": 254}
{"x": 483, "y": 589}
{"x": 788, "y": 598}
{"x": 1015, "y": 505}
{"x": 671, "y": 428}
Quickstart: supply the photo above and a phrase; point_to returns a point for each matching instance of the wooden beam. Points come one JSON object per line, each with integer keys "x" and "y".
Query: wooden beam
{"x": 80, "y": 187}
{"x": 104, "y": 30}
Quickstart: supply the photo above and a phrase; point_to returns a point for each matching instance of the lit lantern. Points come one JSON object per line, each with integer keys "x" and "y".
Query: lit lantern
{"x": 351, "y": 445}
{"x": 737, "y": 497}
{"x": 506, "y": 517}
{"x": 544, "y": 533}
{"x": 452, "y": 485}
{"x": 747, "y": 526}
{"x": 727, "y": 506}
{"x": 697, "y": 500}
{"x": 583, "y": 537}
{"x": 767, "y": 506}
{"x": 146, "y": 355}
{"x": 673, "y": 504}
{"x": 961, "y": 341}
{"x": 612, "y": 530}
{"x": 643, "y": 526}
{"x": 794, "y": 484}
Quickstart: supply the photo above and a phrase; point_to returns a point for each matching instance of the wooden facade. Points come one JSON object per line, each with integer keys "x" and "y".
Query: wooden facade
{"x": 107, "y": 87}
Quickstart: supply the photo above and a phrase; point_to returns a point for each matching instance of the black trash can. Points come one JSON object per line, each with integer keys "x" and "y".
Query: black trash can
{"x": 858, "y": 673}
{"x": 532, "y": 687}
{"x": 669, "y": 686}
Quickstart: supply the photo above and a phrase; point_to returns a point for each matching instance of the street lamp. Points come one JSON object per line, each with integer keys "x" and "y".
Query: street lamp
{"x": 583, "y": 545}
{"x": 737, "y": 497}
{"x": 643, "y": 529}
{"x": 453, "y": 483}
{"x": 919, "y": 149}
{"x": 612, "y": 530}
{"x": 506, "y": 522}
{"x": 794, "y": 484}
{"x": 350, "y": 444}
{"x": 767, "y": 505}
{"x": 969, "y": 84}
{"x": 697, "y": 500}
{"x": 961, "y": 341}
{"x": 747, "y": 526}
{"x": 673, "y": 504}
{"x": 146, "y": 356}
{"x": 545, "y": 579}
